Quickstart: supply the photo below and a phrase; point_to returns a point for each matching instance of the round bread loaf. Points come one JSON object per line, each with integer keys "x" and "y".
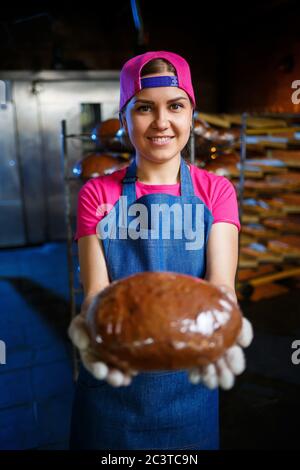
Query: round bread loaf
{"x": 162, "y": 321}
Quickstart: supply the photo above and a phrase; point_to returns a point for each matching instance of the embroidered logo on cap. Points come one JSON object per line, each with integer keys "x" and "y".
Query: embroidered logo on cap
{"x": 164, "y": 80}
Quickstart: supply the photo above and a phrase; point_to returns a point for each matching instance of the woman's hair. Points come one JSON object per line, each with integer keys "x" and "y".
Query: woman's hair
{"x": 160, "y": 66}
{"x": 157, "y": 66}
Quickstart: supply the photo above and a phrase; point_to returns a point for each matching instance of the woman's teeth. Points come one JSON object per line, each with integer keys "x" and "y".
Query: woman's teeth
{"x": 160, "y": 140}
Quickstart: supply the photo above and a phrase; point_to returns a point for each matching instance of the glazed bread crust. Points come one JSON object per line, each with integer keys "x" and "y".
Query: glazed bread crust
{"x": 162, "y": 321}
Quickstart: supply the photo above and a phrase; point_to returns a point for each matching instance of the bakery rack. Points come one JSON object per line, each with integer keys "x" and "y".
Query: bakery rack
{"x": 75, "y": 288}
{"x": 267, "y": 179}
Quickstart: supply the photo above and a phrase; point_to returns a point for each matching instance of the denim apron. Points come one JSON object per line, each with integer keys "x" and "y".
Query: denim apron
{"x": 159, "y": 409}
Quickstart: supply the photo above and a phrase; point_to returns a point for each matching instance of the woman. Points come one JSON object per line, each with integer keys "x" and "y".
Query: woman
{"x": 169, "y": 409}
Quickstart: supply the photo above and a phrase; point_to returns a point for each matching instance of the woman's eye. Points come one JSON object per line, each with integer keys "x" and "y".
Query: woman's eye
{"x": 176, "y": 106}
{"x": 144, "y": 108}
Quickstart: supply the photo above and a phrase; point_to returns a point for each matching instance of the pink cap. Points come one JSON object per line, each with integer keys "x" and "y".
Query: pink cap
{"x": 130, "y": 80}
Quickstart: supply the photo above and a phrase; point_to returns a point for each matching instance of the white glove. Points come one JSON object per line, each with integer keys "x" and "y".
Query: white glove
{"x": 222, "y": 373}
{"x": 79, "y": 336}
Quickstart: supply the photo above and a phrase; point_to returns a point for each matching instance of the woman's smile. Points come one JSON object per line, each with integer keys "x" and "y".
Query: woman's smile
{"x": 160, "y": 141}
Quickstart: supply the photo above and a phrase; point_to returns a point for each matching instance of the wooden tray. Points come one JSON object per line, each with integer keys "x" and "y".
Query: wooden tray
{"x": 287, "y": 245}
{"x": 268, "y": 291}
{"x": 262, "y": 253}
{"x": 259, "y": 231}
{"x": 287, "y": 203}
{"x": 245, "y": 239}
{"x": 261, "y": 207}
{"x": 246, "y": 274}
{"x": 291, "y": 158}
{"x": 288, "y": 224}
{"x": 268, "y": 165}
{"x": 250, "y": 218}
{"x": 246, "y": 261}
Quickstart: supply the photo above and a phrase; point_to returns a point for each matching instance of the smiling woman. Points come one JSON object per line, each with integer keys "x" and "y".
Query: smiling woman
{"x": 159, "y": 214}
{"x": 160, "y": 114}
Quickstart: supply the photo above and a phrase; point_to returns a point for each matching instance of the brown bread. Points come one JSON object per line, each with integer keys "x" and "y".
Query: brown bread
{"x": 162, "y": 321}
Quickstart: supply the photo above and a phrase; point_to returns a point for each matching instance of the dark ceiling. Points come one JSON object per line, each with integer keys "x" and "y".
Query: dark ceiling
{"x": 196, "y": 16}
{"x": 31, "y": 27}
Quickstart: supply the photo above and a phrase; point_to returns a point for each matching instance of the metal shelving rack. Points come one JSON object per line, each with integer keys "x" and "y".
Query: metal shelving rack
{"x": 247, "y": 287}
{"x": 243, "y": 156}
{"x": 71, "y": 253}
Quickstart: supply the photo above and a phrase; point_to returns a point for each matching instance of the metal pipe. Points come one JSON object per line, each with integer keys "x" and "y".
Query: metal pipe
{"x": 243, "y": 155}
{"x": 64, "y": 158}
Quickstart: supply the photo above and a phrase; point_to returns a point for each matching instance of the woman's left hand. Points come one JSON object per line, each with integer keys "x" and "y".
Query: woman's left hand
{"x": 222, "y": 373}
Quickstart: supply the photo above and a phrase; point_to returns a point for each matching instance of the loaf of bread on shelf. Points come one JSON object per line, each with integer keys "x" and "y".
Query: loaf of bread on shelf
{"x": 291, "y": 158}
{"x": 245, "y": 239}
{"x": 272, "y": 183}
{"x": 268, "y": 165}
{"x": 233, "y": 169}
{"x": 250, "y": 218}
{"x": 246, "y": 261}
{"x": 290, "y": 180}
{"x": 258, "y": 231}
{"x": 288, "y": 224}
{"x": 247, "y": 273}
{"x": 265, "y": 186}
{"x": 97, "y": 164}
{"x": 261, "y": 252}
{"x": 288, "y": 245}
{"x": 162, "y": 321}
{"x": 262, "y": 207}
{"x": 286, "y": 202}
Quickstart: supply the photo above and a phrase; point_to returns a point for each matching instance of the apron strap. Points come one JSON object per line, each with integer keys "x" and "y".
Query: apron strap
{"x": 128, "y": 189}
{"x": 186, "y": 183}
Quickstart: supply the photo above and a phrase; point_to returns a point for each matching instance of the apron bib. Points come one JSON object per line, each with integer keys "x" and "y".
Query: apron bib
{"x": 158, "y": 410}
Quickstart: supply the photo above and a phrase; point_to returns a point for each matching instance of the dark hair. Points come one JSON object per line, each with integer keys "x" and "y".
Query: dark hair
{"x": 159, "y": 66}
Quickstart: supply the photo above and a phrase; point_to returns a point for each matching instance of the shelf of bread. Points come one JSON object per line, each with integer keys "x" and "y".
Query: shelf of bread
{"x": 287, "y": 203}
{"x": 251, "y": 273}
{"x": 265, "y": 291}
{"x": 270, "y": 208}
{"x": 287, "y": 245}
{"x": 262, "y": 253}
{"x": 246, "y": 261}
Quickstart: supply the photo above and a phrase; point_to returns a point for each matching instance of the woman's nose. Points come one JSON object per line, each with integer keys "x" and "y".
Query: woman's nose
{"x": 161, "y": 121}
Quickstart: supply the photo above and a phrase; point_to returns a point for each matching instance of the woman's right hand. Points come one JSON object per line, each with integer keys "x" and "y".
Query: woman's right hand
{"x": 79, "y": 336}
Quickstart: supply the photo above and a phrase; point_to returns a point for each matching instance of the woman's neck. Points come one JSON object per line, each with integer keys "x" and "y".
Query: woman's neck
{"x": 158, "y": 173}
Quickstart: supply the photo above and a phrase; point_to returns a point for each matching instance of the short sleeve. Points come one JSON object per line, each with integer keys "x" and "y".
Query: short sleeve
{"x": 88, "y": 215}
{"x": 224, "y": 204}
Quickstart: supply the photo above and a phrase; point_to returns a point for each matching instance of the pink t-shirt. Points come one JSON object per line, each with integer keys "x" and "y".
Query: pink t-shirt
{"x": 217, "y": 193}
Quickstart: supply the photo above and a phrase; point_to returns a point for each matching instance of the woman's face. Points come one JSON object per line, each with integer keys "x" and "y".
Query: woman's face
{"x": 158, "y": 121}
